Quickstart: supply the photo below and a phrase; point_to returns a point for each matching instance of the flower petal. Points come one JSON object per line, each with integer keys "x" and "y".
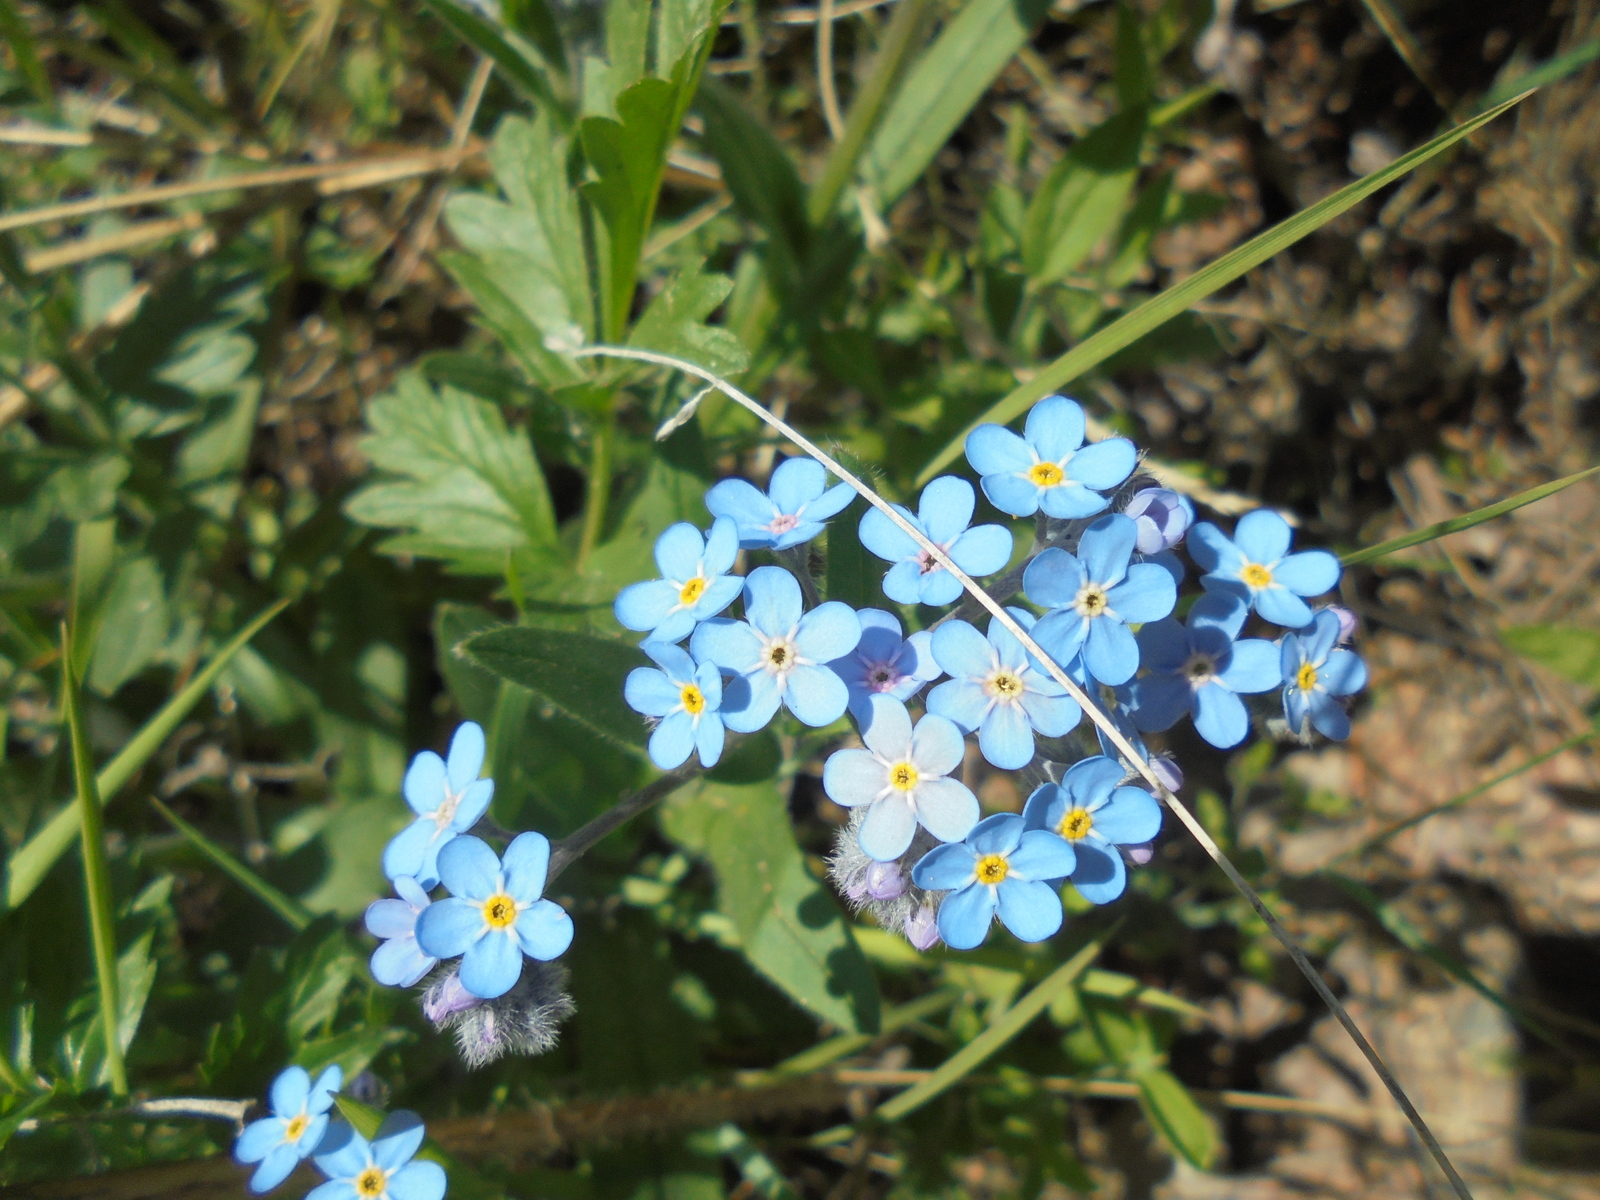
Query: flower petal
{"x": 1147, "y": 594}
{"x": 795, "y": 483}
{"x": 945, "y": 508}
{"x": 333, "y": 1189}
{"x": 994, "y": 449}
{"x": 1131, "y": 816}
{"x": 1029, "y": 909}
{"x": 544, "y": 930}
{"x": 888, "y": 732}
{"x": 1106, "y": 547}
{"x": 1226, "y": 611}
{"x": 732, "y": 645}
{"x": 474, "y": 802}
{"x": 447, "y": 927}
{"x": 525, "y": 865}
{"x": 1110, "y": 652}
{"x": 1343, "y": 674}
{"x": 1282, "y": 607}
{"x": 982, "y": 550}
{"x": 343, "y": 1154}
{"x": 944, "y": 867}
{"x": 466, "y": 755}
{"x": 772, "y": 601}
{"x": 1328, "y": 716}
{"x": 391, "y": 919}
{"x": 1054, "y": 427}
{"x": 1052, "y": 716}
{"x": 678, "y": 551}
{"x": 424, "y": 785}
{"x": 1262, "y": 536}
{"x": 831, "y": 503}
{"x": 1043, "y": 854}
{"x": 1071, "y": 501}
{"x": 816, "y": 695}
{"x": 276, "y": 1165}
{"x": 960, "y": 701}
{"x": 1100, "y": 876}
{"x": 409, "y": 850}
{"x": 1060, "y": 633}
{"x": 1220, "y": 716}
{"x": 709, "y": 739}
{"x": 853, "y": 777}
{"x": 746, "y": 505}
{"x": 469, "y": 868}
{"x": 1157, "y": 701}
{"x": 672, "y": 741}
{"x": 1212, "y": 550}
{"x": 947, "y": 809}
{"x": 1253, "y": 666}
{"x": 961, "y": 651}
{"x": 1103, "y": 465}
{"x": 1013, "y": 493}
{"x": 1053, "y": 578}
{"x": 400, "y": 962}
{"x": 649, "y": 691}
{"x": 491, "y": 965}
{"x": 936, "y": 587}
{"x": 999, "y": 834}
{"x": 398, "y": 1139}
{"x": 1309, "y": 573}
{"x": 1164, "y": 645}
{"x": 289, "y": 1091}
{"x": 887, "y": 829}
{"x": 720, "y": 592}
{"x": 261, "y": 1136}
{"x": 965, "y": 916}
{"x": 642, "y": 606}
{"x": 1006, "y": 738}
{"x": 937, "y": 745}
{"x": 884, "y": 538}
{"x": 750, "y": 702}
{"x": 1088, "y": 783}
{"x": 829, "y": 631}
{"x": 418, "y": 1181}
{"x": 722, "y": 546}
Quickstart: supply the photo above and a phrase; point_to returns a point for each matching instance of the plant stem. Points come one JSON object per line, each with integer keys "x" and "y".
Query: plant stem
{"x": 599, "y": 486}
{"x": 574, "y": 846}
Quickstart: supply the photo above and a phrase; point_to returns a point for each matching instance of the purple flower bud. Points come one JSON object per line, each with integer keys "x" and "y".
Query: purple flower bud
{"x": 1163, "y": 517}
{"x": 886, "y": 881}
{"x": 1347, "y": 621}
{"x": 922, "y": 927}
{"x": 447, "y": 997}
{"x": 1168, "y": 772}
{"x": 1140, "y": 854}
{"x": 855, "y": 888}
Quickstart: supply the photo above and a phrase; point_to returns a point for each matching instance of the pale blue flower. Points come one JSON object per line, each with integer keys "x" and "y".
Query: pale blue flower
{"x": 694, "y": 582}
{"x": 1045, "y": 467}
{"x": 903, "y": 779}
{"x": 294, "y": 1130}
{"x": 382, "y": 1169}
{"x": 448, "y": 798}
{"x": 686, "y": 699}
{"x": 399, "y": 961}
{"x": 885, "y": 664}
{"x": 1093, "y": 597}
{"x": 1092, "y": 810}
{"x": 1163, "y": 517}
{"x": 779, "y": 654}
{"x": 943, "y": 514}
{"x": 1002, "y": 866}
{"x": 791, "y": 511}
{"x": 1255, "y": 565}
{"x": 1315, "y": 673}
{"x": 494, "y": 914}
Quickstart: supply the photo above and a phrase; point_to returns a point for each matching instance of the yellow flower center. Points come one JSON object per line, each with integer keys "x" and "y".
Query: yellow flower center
{"x": 1306, "y": 678}
{"x": 992, "y": 868}
{"x": 1092, "y": 600}
{"x": 499, "y": 911}
{"x": 1076, "y": 824}
{"x": 694, "y": 701}
{"x": 371, "y": 1183}
{"x": 1256, "y": 575}
{"x": 903, "y": 776}
{"x": 1045, "y": 474}
{"x": 692, "y": 591}
{"x": 1005, "y": 685}
{"x": 295, "y": 1128}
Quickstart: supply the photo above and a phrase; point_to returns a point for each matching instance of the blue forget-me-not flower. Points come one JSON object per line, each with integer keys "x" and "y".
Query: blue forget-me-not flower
{"x": 995, "y": 689}
{"x": 943, "y": 515}
{"x": 694, "y": 582}
{"x": 294, "y": 1130}
{"x": 1095, "y": 814}
{"x": 902, "y": 777}
{"x": 495, "y": 913}
{"x": 448, "y": 798}
{"x": 1200, "y": 669}
{"x": 1315, "y": 672}
{"x": 778, "y": 654}
{"x": 382, "y": 1169}
{"x": 791, "y": 511}
{"x": 1001, "y": 866}
{"x": 399, "y": 961}
{"x": 1049, "y": 467}
{"x": 1255, "y": 564}
{"x": 1094, "y": 595}
{"x": 884, "y": 663}
{"x": 686, "y": 699}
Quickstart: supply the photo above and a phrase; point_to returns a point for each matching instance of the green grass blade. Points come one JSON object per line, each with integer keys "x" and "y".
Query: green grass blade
{"x": 1557, "y": 68}
{"x": 967, "y": 1059}
{"x": 33, "y": 861}
{"x": 292, "y": 912}
{"x": 1466, "y": 521}
{"x": 517, "y": 61}
{"x": 23, "y": 52}
{"x": 96, "y": 872}
{"x": 1159, "y": 309}
{"x": 895, "y": 1017}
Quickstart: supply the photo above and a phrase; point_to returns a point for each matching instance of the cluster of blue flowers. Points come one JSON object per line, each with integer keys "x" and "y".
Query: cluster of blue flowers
{"x": 385, "y": 1168}
{"x": 1104, "y": 588}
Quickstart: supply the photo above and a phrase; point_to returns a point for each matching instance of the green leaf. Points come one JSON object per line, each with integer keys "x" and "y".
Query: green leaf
{"x": 788, "y": 924}
{"x": 518, "y": 62}
{"x": 12, "y": 1121}
{"x": 1549, "y": 72}
{"x": 515, "y": 297}
{"x": 534, "y": 20}
{"x": 942, "y": 87}
{"x": 132, "y": 625}
{"x": 851, "y": 574}
{"x": 1569, "y": 651}
{"x": 14, "y": 31}
{"x": 293, "y": 914}
{"x": 1083, "y": 198}
{"x": 1131, "y": 326}
{"x": 674, "y": 323}
{"x": 1186, "y": 1127}
{"x": 321, "y": 965}
{"x": 1466, "y": 520}
{"x": 463, "y": 487}
{"x": 1135, "y": 87}
{"x": 351, "y": 1050}
{"x": 570, "y": 673}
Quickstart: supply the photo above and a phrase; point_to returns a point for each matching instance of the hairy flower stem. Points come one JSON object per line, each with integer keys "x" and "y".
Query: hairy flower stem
{"x": 574, "y": 846}
{"x": 1114, "y": 735}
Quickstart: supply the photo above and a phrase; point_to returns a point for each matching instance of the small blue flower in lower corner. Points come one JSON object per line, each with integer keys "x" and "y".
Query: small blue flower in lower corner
{"x": 494, "y": 914}
{"x": 885, "y": 663}
{"x": 1255, "y": 565}
{"x": 902, "y": 777}
{"x": 294, "y": 1130}
{"x": 1315, "y": 673}
{"x": 943, "y": 514}
{"x": 1045, "y": 467}
{"x": 694, "y": 583}
{"x": 1001, "y": 867}
{"x": 791, "y": 511}
{"x": 386, "y": 1168}
{"x": 779, "y": 654}
{"x": 685, "y": 698}
{"x": 1095, "y": 814}
{"x": 399, "y": 961}
{"x": 448, "y": 798}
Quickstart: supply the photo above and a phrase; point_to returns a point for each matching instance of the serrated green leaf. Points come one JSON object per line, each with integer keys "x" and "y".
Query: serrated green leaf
{"x": 506, "y": 291}
{"x": 1186, "y": 1127}
{"x": 789, "y": 926}
{"x": 674, "y": 323}
{"x": 1083, "y": 198}
{"x": 530, "y": 159}
{"x": 1569, "y": 651}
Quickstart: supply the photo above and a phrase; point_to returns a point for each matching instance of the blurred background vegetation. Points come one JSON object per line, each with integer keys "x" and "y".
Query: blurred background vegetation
{"x": 313, "y": 350}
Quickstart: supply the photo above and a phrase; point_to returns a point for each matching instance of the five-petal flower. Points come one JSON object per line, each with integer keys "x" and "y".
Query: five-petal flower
{"x": 294, "y": 1130}
{"x": 686, "y": 698}
{"x": 448, "y": 798}
{"x": 943, "y": 514}
{"x": 382, "y": 1169}
{"x": 1095, "y": 814}
{"x": 1315, "y": 671}
{"x": 694, "y": 582}
{"x": 399, "y": 961}
{"x": 1045, "y": 467}
{"x": 1255, "y": 564}
{"x": 884, "y": 663}
{"x": 1199, "y": 668}
{"x": 779, "y": 654}
{"x": 494, "y": 914}
{"x": 902, "y": 777}
{"x": 792, "y": 510}
{"x": 1094, "y": 595}
{"x": 1002, "y": 865}
{"x": 995, "y": 689}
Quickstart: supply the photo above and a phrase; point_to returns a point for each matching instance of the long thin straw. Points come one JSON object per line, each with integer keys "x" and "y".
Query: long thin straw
{"x": 1107, "y": 726}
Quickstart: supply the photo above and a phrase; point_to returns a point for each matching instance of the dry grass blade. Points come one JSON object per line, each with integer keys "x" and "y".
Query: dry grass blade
{"x": 77, "y": 250}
